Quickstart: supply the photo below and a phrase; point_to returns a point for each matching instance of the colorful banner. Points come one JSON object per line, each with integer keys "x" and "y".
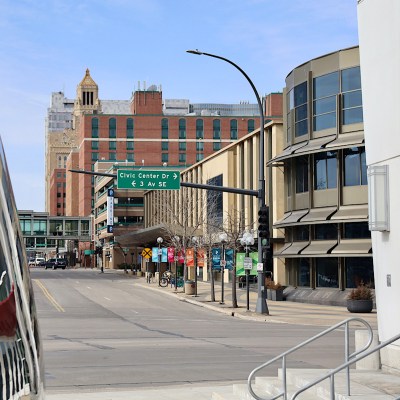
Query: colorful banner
{"x": 216, "y": 259}
{"x": 229, "y": 259}
{"x": 190, "y": 257}
{"x": 164, "y": 254}
{"x": 240, "y": 271}
{"x": 171, "y": 254}
{"x": 200, "y": 257}
{"x": 181, "y": 257}
{"x": 154, "y": 254}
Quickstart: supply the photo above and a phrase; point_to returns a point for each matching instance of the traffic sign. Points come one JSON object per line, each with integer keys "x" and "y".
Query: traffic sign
{"x": 247, "y": 263}
{"x": 146, "y": 253}
{"x": 141, "y": 179}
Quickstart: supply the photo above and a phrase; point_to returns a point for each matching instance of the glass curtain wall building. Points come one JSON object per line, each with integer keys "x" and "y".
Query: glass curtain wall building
{"x": 327, "y": 241}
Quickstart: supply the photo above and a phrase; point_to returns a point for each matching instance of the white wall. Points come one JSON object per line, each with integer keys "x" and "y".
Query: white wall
{"x": 379, "y": 35}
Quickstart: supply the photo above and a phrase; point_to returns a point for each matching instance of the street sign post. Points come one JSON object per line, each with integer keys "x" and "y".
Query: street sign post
{"x": 149, "y": 179}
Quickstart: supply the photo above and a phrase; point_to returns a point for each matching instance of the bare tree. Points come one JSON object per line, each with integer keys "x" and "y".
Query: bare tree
{"x": 234, "y": 226}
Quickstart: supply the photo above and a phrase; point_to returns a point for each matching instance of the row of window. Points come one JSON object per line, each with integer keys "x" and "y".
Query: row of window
{"x": 339, "y": 90}
{"x": 350, "y": 230}
{"x": 324, "y": 272}
{"x": 112, "y": 128}
{"x": 325, "y": 171}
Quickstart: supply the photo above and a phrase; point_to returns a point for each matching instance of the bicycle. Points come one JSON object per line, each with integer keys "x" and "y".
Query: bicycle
{"x": 166, "y": 278}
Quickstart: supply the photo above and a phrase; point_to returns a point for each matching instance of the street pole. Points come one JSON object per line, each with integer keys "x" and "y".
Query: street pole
{"x": 195, "y": 240}
{"x": 223, "y": 237}
{"x": 159, "y": 241}
{"x": 261, "y": 306}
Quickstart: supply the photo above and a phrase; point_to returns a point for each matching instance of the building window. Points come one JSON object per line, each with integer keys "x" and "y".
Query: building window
{"x": 300, "y": 109}
{"x": 129, "y": 128}
{"x": 129, "y": 145}
{"x": 164, "y": 157}
{"x": 182, "y": 157}
{"x": 199, "y": 129}
{"x": 327, "y": 272}
{"x": 164, "y": 146}
{"x": 352, "y": 111}
{"x": 216, "y": 146}
{"x": 215, "y": 205}
{"x": 199, "y": 157}
{"x": 65, "y": 161}
{"x": 200, "y": 146}
{"x": 301, "y": 233}
{"x": 250, "y": 125}
{"x": 356, "y": 230}
{"x": 216, "y": 129}
{"x": 355, "y": 167}
{"x": 359, "y": 270}
{"x": 59, "y": 163}
{"x": 95, "y": 156}
{"x": 130, "y": 157}
{"x": 164, "y": 128}
{"x": 325, "y": 171}
{"x": 58, "y": 174}
{"x": 112, "y": 156}
{"x": 182, "y": 146}
{"x": 182, "y": 128}
{"x": 325, "y": 232}
{"x": 303, "y": 271}
{"x": 325, "y": 90}
{"x": 95, "y": 127}
{"x": 301, "y": 169}
{"x": 112, "y": 128}
{"x": 234, "y": 129}
{"x": 95, "y": 144}
{"x": 112, "y": 145}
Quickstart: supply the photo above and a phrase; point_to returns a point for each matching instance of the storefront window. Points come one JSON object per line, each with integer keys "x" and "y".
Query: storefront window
{"x": 327, "y": 272}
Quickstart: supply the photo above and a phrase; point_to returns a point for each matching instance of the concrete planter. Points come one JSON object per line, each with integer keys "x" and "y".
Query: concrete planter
{"x": 275, "y": 294}
{"x": 359, "y": 306}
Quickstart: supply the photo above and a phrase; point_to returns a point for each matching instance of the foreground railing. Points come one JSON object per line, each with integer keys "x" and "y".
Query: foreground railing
{"x": 284, "y": 355}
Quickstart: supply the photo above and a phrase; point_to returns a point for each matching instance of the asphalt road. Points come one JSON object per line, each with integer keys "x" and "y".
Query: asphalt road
{"x": 100, "y": 331}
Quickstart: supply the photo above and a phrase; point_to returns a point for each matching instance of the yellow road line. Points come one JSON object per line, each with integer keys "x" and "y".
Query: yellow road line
{"x": 48, "y": 295}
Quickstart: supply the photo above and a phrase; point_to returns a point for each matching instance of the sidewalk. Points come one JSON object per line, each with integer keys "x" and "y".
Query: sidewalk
{"x": 279, "y": 311}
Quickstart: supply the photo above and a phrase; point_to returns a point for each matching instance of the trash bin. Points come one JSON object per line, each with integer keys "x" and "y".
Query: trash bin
{"x": 190, "y": 287}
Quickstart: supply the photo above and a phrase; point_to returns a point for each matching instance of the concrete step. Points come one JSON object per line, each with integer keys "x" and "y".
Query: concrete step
{"x": 365, "y": 385}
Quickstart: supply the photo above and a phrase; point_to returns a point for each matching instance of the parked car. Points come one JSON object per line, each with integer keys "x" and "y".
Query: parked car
{"x": 39, "y": 261}
{"x": 55, "y": 263}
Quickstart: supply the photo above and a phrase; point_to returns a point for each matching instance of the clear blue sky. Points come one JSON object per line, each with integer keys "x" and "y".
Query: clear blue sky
{"x": 46, "y": 46}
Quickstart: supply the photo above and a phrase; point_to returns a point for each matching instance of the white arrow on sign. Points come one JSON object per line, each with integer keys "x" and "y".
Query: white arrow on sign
{"x": 134, "y": 183}
{"x": 175, "y": 176}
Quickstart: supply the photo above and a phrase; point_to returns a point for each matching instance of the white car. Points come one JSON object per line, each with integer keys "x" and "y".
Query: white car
{"x": 39, "y": 260}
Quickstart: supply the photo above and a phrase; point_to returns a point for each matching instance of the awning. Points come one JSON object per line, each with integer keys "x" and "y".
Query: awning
{"x": 353, "y": 247}
{"x": 287, "y": 153}
{"x": 346, "y": 140}
{"x": 320, "y": 214}
{"x": 292, "y": 218}
{"x": 315, "y": 145}
{"x": 319, "y": 248}
{"x": 353, "y": 212}
{"x": 291, "y": 249}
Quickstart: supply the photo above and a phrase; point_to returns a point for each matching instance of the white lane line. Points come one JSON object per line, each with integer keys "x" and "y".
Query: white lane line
{"x": 107, "y": 298}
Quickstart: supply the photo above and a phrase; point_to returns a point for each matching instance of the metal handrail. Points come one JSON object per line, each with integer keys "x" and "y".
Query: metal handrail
{"x": 312, "y": 339}
{"x": 346, "y": 365}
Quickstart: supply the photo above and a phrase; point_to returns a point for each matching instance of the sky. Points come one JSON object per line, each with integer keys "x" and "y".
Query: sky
{"x": 46, "y": 46}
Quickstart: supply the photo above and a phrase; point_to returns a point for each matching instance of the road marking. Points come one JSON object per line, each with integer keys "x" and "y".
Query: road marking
{"x": 49, "y": 296}
{"x": 107, "y": 298}
{"x": 136, "y": 312}
{"x": 89, "y": 287}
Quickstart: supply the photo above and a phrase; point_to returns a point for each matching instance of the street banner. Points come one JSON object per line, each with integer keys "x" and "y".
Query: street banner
{"x": 164, "y": 254}
{"x": 200, "y": 257}
{"x": 216, "y": 259}
{"x": 190, "y": 257}
{"x": 154, "y": 254}
{"x": 171, "y": 254}
{"x": 240, "y": 271}
{"x": 229, "y": 259}
{"x": 181, "y": 257}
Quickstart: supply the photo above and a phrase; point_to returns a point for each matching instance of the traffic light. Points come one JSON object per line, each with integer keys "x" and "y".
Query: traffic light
{"x": 263, "y": 223}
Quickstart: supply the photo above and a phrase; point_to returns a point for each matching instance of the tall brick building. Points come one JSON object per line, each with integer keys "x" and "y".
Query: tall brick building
{"x": 146, "y": 130}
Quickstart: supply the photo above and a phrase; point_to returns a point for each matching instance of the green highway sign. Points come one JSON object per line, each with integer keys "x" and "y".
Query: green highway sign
{"x": 142, "y": 179}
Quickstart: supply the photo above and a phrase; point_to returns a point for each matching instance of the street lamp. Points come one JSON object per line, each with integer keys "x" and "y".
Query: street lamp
{"x": 159, "y": 241}
{"x": 223, "y": 238}
{"x": 261, "y": 306}
{"x": 176, "y": 241}
{"x": 247, "y": 240}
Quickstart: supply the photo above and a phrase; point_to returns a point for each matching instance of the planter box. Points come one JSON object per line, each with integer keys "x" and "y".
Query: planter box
{"x": 359, "y": 306}
{"x": 275, "y": 294}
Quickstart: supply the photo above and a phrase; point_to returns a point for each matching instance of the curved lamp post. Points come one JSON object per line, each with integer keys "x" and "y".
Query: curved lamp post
{"x": 223, "y": 238}
{"x": 261, "y": 306}
{"x": 159, "y": 241}
{"x": 247, "y": 240}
